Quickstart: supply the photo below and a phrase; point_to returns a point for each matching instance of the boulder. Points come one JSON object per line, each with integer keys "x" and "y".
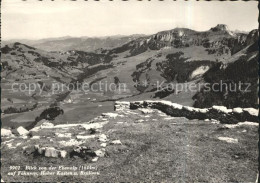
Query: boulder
{"x": 100, "y": 152}
{"x": 36, "y": 137}
{"x": 71, "y": 142}
{"x": 40, "y": 150}
{"x": 6, "y": 132}
{"x": 250, "y": 114}
{"x": 28, "y": 150}
{"x": 121, "y": 105}
{"x": 44, "y": 123}
{"x": 237, "y": 110}
{"x": 102, "y": 138}
{"x": 204, "y": 111}
{"x": 116, "y": 142}
{"x": 110, "y": 115}
{"x": 83, "y": 152}
{"x": 63, "y": 154}
{"x": 139, "y": 121}
{"x": 63, "y": 135}
{"x": 22, "y": 131}
{"x": 191, "y": 109}
{"x": 103, "y": 144}
{"x": 94, "y": 159}
{"x": 136, "y": 104}
{"x": 51, "y": 152}
{"x": 251, "y": 111}
{"x": 146, "y": 111}
{"x": 222, "y": 109}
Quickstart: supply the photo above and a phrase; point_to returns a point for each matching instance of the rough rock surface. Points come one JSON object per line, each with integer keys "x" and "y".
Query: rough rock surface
{"x": 221, "y": 113}
{"x": 6, "y": 132}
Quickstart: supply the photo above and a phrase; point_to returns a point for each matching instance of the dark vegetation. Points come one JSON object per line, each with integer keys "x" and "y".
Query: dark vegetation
{"x": 89, "y": 71}
{"x": 142, "y": 68}
{"x": 17, "y": 44}
{"x": 228, "y": 93}
{"x": 176, "y": 69}
{"x": 6, "y": 49}
{"x": 49, "y": 114}
{"x": 25, "y": 108}
{"x": 163, "y": 93}
{"x": 92, "y": 58}
{"x": 34, "y": 53}
{"x": 46, "y": 61}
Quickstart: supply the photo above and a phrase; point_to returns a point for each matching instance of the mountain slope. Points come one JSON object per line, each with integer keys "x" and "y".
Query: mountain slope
{"x": 143, "y": 68}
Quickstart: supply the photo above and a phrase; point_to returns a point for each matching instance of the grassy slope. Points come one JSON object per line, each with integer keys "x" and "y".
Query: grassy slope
{"x": 157, "y": 149}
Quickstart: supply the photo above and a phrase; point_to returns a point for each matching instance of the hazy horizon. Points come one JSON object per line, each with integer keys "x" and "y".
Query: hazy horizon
{"x": 33, "y": 20}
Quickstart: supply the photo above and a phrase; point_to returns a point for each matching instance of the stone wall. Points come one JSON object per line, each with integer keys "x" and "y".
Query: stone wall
{"x": 221, "y": 113}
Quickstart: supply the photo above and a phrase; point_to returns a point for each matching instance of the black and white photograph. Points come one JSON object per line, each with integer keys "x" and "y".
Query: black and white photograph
{"x": 129, "y": 91}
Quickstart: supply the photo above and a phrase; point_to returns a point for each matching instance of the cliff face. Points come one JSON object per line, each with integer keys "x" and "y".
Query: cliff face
{"x": 218, "y": 40}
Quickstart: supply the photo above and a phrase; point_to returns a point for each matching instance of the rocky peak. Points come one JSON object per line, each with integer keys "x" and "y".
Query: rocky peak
{"x": 252, "y": 37}
{"x": 220, "y": 27}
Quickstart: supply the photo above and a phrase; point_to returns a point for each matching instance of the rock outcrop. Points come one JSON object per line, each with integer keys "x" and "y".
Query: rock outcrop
{"x": 221, "y": 113}
{"x": 6, "y": 132}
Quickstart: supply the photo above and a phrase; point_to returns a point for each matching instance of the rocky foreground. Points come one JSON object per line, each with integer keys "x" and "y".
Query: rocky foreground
{"x": 142, "y": 140}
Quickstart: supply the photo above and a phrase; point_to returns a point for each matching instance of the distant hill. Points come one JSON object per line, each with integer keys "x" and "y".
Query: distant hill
{"x": 77, "y": 43}
{"x": 179, "y": 55}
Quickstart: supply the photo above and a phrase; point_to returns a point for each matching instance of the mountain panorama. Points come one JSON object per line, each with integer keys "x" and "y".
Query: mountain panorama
{"x": 118, "y": 101}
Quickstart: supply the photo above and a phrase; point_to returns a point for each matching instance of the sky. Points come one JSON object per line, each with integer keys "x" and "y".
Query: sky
{"x": 33, "y": 19}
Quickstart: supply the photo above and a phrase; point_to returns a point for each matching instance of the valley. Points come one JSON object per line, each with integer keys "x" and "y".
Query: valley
{"x": 144, "y": 66}
{"x": 122, "y": 101}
